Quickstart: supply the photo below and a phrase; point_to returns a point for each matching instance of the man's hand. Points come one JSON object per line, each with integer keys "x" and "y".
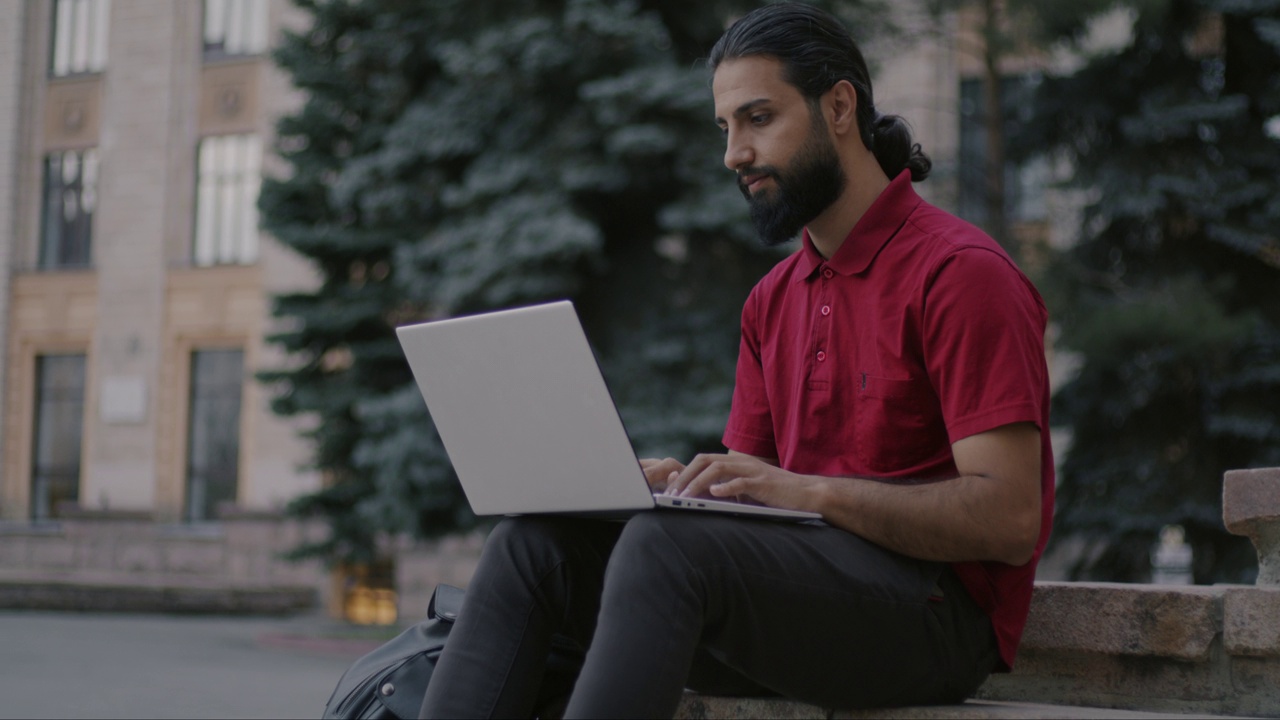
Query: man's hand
{"x": 660, "y": 472}
{"x": 744, "y": 478}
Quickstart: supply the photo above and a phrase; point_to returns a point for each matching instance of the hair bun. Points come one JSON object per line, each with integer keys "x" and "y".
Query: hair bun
{"x": 894, "y": 149}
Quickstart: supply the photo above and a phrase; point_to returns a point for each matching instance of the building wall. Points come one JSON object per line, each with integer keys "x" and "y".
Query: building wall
{"x": 143, "y": 307}
{"x": 917, "y": 76}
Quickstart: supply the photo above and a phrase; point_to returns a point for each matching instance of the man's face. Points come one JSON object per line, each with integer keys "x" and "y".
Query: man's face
{"x": 779, "y": 146}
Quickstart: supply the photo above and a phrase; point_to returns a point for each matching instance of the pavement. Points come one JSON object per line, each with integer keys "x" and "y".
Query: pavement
{"x": 110, "y": 665}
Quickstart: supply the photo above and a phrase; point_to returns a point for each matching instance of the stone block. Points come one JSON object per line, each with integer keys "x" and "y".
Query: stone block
{"x": 251, "y": 534}
{"x": 1251, "y": 621}
{"x": 1256, "y": 686}
{"x": 14, "y": 554}
{"x": 139, "y": 557}
{"x": 98, "y": 556}
{"x": 310, "y": 573}
{"x": 1249, "y": 496}
{"x": 1251, "y": 507}
{"x": 712, "y": 707}
{"x": 194, "y": 556}
{"x": 1136, "y": 620}
{"x": 52, "y": 553}
{"x": 1135, "y": 683}
{"x": 240, "y": 566}
{"x": 704, "y": 706}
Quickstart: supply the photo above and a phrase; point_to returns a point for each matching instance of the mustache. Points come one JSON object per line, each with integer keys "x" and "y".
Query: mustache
{"x": 767, "y": 170}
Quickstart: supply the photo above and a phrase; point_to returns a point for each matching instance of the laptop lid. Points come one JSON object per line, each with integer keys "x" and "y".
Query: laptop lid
{"x": 524, "y": 413}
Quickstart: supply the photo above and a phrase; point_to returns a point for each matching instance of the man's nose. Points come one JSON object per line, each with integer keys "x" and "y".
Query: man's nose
{"x": 737, "y": 154}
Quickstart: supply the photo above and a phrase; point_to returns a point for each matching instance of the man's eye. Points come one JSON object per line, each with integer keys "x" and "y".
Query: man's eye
{"x": 760, "y": 119}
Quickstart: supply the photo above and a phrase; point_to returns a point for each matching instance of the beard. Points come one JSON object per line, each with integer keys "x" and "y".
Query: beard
{"x": 809, "y": 186}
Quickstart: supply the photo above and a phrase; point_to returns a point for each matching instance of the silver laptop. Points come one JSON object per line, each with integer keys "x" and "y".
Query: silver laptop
{"x": 527, "y": 420}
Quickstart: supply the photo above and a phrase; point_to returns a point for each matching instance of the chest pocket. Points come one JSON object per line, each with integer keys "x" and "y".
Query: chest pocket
{"x": 895, "y": 423}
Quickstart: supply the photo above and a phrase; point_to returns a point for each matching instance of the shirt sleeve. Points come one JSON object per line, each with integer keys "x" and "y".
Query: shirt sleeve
{"x": 750, "y": 426}
{"x": 983, "y": 333}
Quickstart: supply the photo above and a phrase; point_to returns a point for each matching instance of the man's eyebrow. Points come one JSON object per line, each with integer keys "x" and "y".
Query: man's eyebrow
{"x": 745, "y": 108}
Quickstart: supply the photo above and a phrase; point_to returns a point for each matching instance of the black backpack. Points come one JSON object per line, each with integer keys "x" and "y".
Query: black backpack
{"x": 391, "y": 681}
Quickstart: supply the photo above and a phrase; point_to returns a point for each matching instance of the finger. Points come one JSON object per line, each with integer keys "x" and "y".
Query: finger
{"x": 658, "y": 472}
{"x": 695, "y": 474}
{"x": 715, "y": 472}
{"x": 735, "y": 486}
{"x": 686, "y": 473}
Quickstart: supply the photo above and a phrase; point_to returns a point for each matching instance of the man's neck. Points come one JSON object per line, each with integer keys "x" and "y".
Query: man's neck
{"x": 865, "y": 183}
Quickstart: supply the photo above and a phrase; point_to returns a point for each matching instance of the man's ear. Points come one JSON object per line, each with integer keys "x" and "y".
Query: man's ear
{"x": 841, "y": 104}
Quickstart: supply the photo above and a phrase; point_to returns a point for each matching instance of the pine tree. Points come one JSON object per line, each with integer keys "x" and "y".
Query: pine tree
{"x": 454, "y": 157}
{"x": 1170, "y": 296}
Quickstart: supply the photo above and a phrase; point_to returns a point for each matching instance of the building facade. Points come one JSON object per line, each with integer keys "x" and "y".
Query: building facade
{"x": 136, "y": 286}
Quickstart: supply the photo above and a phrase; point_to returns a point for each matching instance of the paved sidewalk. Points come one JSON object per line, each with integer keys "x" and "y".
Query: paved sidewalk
{"x": 65, "y": 665}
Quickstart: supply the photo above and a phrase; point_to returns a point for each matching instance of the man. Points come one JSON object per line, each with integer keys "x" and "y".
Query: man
{"x": 891, "y": 377}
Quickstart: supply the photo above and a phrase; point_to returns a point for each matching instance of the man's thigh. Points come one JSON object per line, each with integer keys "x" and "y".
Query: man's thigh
{"x": 817, "y": 613}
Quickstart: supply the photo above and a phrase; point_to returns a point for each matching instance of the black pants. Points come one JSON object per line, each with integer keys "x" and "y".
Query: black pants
{"x": 718, "y": 604}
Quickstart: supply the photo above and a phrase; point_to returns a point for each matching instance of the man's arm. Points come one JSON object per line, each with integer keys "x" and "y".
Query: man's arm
{"x": 990, "y": 512}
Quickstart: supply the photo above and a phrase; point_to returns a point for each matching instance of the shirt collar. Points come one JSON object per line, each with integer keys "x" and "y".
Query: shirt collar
{"x": 877, "y": 226}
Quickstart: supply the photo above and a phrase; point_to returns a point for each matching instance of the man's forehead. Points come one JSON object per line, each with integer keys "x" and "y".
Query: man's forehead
{"x": 745, "y": 80}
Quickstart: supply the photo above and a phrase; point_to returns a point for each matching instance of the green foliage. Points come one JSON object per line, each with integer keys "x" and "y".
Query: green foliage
{"x": 1170, "y": 296}
{"x": 453, "y": 157}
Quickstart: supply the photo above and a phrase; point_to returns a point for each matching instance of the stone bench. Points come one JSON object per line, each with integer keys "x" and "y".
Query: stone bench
{"x": 695, "y": 707}
{"x": 1122, "y": 650}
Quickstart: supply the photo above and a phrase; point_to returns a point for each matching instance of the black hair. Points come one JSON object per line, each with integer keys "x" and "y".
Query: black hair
{"x": 817, "y": 52}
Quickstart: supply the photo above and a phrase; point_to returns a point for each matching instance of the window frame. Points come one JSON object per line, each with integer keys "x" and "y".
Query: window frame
{"x": 43, "y": 506}
{"x": 233, "y": 28}
{"x": 72, "y": 246}
{"x": 78, "y": 37}
{"x": 225, "y": 228}
{"x": 197, "y": 503}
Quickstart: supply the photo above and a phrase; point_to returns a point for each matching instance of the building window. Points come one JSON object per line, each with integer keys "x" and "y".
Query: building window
{"x": 70, "y": 195}
{"x": 213, "y": 443}
{"x": 79, "y": 37}
{"x": 229, "y": 168}
{"x": 59, "y": 421}
{"x": 234, "y": 27}
{"x": 1024, "y": 183}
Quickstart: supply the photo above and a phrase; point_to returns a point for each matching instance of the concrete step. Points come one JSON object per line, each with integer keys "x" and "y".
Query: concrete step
{"x": 706, "y": 707}
{"x": 153, "y": 597}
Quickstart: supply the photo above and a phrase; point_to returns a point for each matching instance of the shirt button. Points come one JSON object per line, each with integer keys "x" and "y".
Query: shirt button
{"x": 822, "y": 355}
{"x": 828, "y": 274}
{"x": 826, "y": 309}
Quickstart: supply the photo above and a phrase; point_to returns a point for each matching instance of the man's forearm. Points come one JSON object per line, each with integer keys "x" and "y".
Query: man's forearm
{"x": 990, "y": 512}
{"x": 965, "y": 518}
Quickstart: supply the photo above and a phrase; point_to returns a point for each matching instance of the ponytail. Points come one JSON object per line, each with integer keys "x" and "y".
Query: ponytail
{"x": 890, "y": 141}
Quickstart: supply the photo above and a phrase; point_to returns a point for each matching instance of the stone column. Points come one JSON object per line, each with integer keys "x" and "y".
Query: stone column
{"x": 147, "y": 128}
{"x": 11, "y": 65}
{"x": 1251, "y": 507}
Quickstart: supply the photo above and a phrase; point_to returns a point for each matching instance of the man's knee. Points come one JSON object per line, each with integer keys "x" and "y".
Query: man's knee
{"x": 655, "y": 545}
{"x": 657, "y": 568}
{"x": 527, "y": 542}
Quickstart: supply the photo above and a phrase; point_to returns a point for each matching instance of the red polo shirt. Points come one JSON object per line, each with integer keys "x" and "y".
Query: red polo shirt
{"x": 920, "y": 331}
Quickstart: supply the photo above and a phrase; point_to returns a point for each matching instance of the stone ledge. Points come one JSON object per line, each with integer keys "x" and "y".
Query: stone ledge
{"x": 1178, "y": 622}
{"x": 1251, "y": 621}
{"x": 1251, "y": 507}
{"x": 706, "y": 707}
{"x": 1251, "y": 498}
{"x": 82, "y": 597}
{"x": 73, "y": 511}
